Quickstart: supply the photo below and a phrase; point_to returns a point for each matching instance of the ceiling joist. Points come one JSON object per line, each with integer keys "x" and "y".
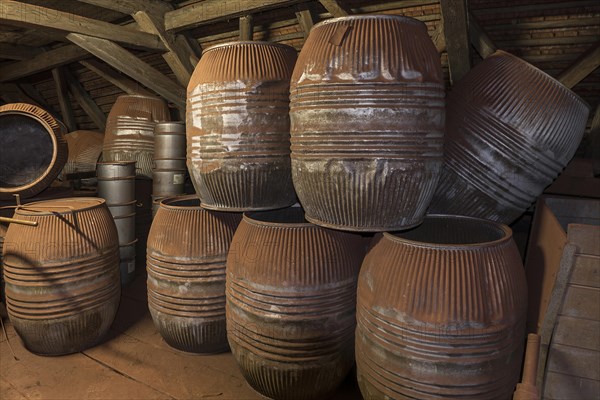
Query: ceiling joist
{"x": 42, "y": 62}
{"x": 335, "y": 8}
{"x": 113, "y": 76}
{"x": 581, "y": 67}
{"x": 18, "y": 52}
{"x": 85, "y": 100}
{"x": 27, "y": 15}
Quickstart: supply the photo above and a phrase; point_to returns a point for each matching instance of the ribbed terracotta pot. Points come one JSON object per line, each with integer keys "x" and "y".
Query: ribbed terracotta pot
{"x": 85, "y": 148}
{"x": 367, "y": 123}
{"x": 511, "y": 129}
{"x": 33, "y": 150}
{"x": 62, "y": 276}
{"x": 441, "y": 312}
{"x": 291, "y": 295}
{"x": 130, "y": 130}
{"x": 186, "y": 257}
{"x": 238, "y": 127}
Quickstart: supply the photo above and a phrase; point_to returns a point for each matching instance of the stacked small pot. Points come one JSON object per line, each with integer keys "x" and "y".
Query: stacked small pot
{"x": 168, "y": 169}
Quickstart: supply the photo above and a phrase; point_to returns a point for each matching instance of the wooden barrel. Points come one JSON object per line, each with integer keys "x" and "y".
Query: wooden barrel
{"x": 130, "y": 130}
{"x": 238, "y": 126}
{"x": 186, "y": 256}
{"x": 291, "y": 295}
{"x": 367, "y": 123}
{"x": 62, "y": 276}
{"x": 511, "y": 130}
{"x": 441, "y": 312}
{"x": 33, "y": 150}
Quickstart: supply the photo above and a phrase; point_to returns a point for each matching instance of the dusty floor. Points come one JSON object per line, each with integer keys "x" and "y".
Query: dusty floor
{"x": 133, "y": 362}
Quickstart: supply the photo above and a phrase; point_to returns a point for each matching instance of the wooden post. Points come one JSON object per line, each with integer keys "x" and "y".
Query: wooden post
{"x": 246, "y": 27}
{"x": 454, "y": 13}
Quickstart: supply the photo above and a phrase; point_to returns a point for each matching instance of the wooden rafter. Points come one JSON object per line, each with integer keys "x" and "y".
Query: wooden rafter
{"x": 113, "y": 76}
{"x": 23, "y": 14}
{"x": 85, "y": 100}
{"x": 456, "y": 33}
{"x": 305, "y": 20}
{"x": 581, "y": 67}
{"x": 335, "y": 8}
{"x": 119, "y": 58}
{"x": 18, "y": 52}
{"x": 37, "y": 97}
{"x": 62, "y": 92}
{"x": 480, "y": 39}
{"x": 42, "y": 62}
{"x": 131, "y": 6}
{"x": 246, "y": 27}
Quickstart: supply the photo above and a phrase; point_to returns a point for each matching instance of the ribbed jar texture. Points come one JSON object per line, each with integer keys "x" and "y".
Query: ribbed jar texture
{"x": 511, "y": 129}
{"x": 367, "y": 123}
{"x": 291, "y": 295}
{"x": 85, "y": 148}
{"x": 33, "y": 150}
{"x": 186, "y": 257}
{"x": 441, "y": 312}
{"x": 130, "y": 130}
{"x": 238, "y": 127}
{"x": 62, "y": 276}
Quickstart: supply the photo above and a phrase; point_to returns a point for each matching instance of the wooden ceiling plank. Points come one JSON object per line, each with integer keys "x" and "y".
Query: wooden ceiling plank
{"x": 456, "y": 33}
{"x": 18, "y": 52}
{"x": 246, "y": 27}
{"x": 119, "y": 58}
{"x": 335, "y": 8}
{"x": 480, "y": 39}
{"x": 197, "y": 14}
{"x": 113, "y": 76}
{"x": 86, "y": 101}
{"x": 42, "y": 62}
{"x": 581, "y": 67}
{"x": 178, "y": 56}
{"x": 64, "y": 100}
{"x": 22, "y": 14}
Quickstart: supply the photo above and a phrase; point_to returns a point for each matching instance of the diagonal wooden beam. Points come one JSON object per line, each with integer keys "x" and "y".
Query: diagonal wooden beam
{"x": 85, "y": 101}
{"x": 456, "y": 33}
{"x": 246, "y": 27}
{"x": 113, "y": 76}
{"x": 305, "y": 20}
{"x": 37, "y": 98}
{"x": 64, "y": 100}
{"x": 178, "y": 55}
{"x": 119, "y": 58}
{"x": 131, "y": 6}
{"x": 480, "y": 39}
{"x": 438, "y": 38}
{"x": 42, "y": 62}
{"x": 584, "y": 65}
{"x": 335, "y": 8}
{"x": 22, "y": 14}
{"x": 206, "y": 11}
{"x": 18, "y": 52}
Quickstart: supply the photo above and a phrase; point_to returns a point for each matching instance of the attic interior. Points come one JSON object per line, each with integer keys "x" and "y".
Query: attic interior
{"x": 436, "y": 233}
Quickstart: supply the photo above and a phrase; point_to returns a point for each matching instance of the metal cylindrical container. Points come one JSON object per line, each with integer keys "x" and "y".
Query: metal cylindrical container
{"x": 85, "y": 149}
{"x": 511, "y": 130}
{"x": 143, "y": 218}
{"x": 62, "y": 276}
{"x": 238, "y": 126}
{"x": 186, "y": 257}
{"x": 169, "y": 140}
{"x": 116, "y": 184}
{"x": 441, "y": 312}
{"x": 367, "y": 123}
{"x": 130, "y": 130}
{"x": 291, "y": 296}
{"x": 33, "y": 150}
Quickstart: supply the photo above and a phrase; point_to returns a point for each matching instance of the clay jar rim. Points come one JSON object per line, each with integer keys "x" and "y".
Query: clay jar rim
{"x": 115, "y": 162}
{"x": 401, "y": 18}
{"x": 140, "y": 96}
{"x": 249, "y": 217}
{"x": 85, "y": 204}
{"x": 253, "y": 42}
{"x": 50, "y": 131}
{"x": 550, "y": 78}
{"x": 164, "y": 203}
{"x": 500, "y": 227}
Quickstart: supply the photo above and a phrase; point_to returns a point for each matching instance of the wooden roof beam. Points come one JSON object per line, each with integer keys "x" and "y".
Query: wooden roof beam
{"x": 42, "y": 62}
{"x": 18, "y": 52}
{"x": 335, "y": 8}
{"x": 64, "y": 100}
{"x": 306, "y": 21}
{"x": 246, "y": 27}
{"x": 456, "y": 33}
{"x": 584, "y": 65}
{"x": 85, "y": 101}
{"x": 113, "y": 76}
{"x": 132, "y": 6}
{"x": 22, "y": 14}
{"x": 480, "y": 39}
{"x": 119, "y": 58}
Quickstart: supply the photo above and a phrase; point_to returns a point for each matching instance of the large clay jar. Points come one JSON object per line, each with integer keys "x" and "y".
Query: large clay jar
{"x": 186, "y": 257}
{"x": 441, "y": 312}
{"x": 33, "y": 150}
{"x": 130, "y": 131}
{"x": 62, "y": 276}
{"x": 291, "y": 295}
{"x": 85, "y": 148}
{"x": 511, "y": 129}
{"x": 238, "y": 127}
{"x": 367, "y": 123}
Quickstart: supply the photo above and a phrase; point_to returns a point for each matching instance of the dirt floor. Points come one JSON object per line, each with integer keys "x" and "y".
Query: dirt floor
{"x": 133, "y": 362}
